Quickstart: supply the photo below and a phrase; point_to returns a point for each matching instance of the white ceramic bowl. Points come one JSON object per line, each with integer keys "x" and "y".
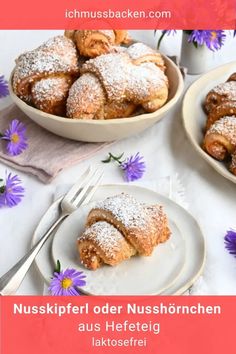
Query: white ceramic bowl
{"x": 105, "y": 130}
{"x": 194, "y": 118}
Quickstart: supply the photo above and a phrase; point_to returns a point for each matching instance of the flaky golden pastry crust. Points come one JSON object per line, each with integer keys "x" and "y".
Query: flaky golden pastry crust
{"x": 220, "y": 94}
{"x": 92, "y": 43}
{"x": 227, "y": 108}
{"x": 126, "y": 87}
{"x": 43, "y": 76}
{"x": 142, "y": 226}
{"x": 220, "y": 139}
{"x": 102, "y": 243}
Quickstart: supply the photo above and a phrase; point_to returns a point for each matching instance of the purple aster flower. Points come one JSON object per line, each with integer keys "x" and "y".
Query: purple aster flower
{"x": 214, "y": 39}
{"x": 3, "y": 87}
{"x": 197, "y": 36}
{"x": 11, "y": 192}
{"x": 134, "y": 167}
{"x": 66, "y": 282}
{"x": 15, "y": 135}
{"x": 230, "y": 241}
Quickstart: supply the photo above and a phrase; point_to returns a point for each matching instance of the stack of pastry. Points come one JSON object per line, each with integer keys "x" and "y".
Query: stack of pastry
{"x": 88, "y": 75}
{"x": 120, "y": 227}
{"x": 220, "y": 135}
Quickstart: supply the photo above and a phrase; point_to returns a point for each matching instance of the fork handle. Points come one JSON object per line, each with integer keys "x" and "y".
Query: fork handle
{"x": 10, "y": 281}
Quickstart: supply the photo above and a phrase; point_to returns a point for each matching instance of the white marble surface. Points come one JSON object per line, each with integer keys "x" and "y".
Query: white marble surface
{"x": 211, "y": 198}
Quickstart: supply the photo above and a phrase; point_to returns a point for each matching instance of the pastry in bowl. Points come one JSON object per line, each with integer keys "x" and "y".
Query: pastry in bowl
{"x": 60, "y": 89}
{"x": 120, "y": 227}
{"x": 43, "y": 76}
{"x": 128, "y": 86}
{"x": 220, "y": 132}
{"x": 48, "y": 77}
{"x": 92, "y": 43}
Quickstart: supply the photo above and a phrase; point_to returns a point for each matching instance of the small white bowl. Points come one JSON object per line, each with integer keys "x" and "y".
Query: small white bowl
{"x": 105, "y": 130}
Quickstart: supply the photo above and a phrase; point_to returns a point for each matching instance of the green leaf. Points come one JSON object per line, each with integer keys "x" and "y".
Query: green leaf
{"x": 2, "y": 189}
{"x": 120, "y": 157}
{"x": 107, "y": 160}
{"x": 58, "y": 267}
{"x": 113, "y": 157}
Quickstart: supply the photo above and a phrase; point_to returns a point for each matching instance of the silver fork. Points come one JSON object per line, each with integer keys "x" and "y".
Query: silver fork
{"x": 79, "y": 194}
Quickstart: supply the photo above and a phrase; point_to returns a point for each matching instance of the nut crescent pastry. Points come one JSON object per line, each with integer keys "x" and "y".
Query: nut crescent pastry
{"x": 227, "y": 108}
{"x": 142, "y": 226}
{"x": 232, "y": 77}
{"x": 143, "y": 84}
{"x": 92, "y": 43}
{"x": 233, "y": 164}
{"x": 220, "y": 139}
{"x": 43, "y": 76}
{"x": 141, "y": 53}
{"x": 102, "y": 243}
{"x": 220, "y": 94}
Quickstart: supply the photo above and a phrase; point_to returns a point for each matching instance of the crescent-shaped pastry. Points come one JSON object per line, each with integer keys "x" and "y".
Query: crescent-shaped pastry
{"x": 220, "y": 139}
{"x": 143, "y": 226}
{"x": 102, "y": 243}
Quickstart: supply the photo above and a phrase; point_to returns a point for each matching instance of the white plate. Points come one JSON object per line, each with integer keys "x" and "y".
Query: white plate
{"x": 194, "y": 117}
{"x": 131, "y": 277}
{"x": 194, "y": 240}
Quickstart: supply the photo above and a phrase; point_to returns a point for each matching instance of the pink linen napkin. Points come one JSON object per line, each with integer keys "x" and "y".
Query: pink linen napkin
{"x": 47, "y": 154}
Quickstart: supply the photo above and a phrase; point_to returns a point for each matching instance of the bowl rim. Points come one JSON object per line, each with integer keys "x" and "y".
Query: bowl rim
{"x": 20, "y": 103}
{"x": 209, "y": 76}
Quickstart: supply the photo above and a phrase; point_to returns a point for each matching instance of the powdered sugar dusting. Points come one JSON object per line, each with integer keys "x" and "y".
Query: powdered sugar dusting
{"x": 226, "y": 127}
{"x": 227, "y": 89}
{"x": 123, "y": 80}
{"x": 54, "y": 88}
{"x": 85, "y": 97}
{"x": 127, "y": 210}
{"x": 58, "y": 55}
{"x": 105, "y": 236}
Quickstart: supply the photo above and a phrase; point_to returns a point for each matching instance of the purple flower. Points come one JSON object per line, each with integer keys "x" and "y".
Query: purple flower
{"x": 197, "y": 37}
{"x": 15, "y": 135}
{"x": 134, "y": 167}
{"x": 230, "y": 241}
{"x": 66, "y": 282}
{"x": 214, "y": 39}
{"x": 11, "y": 192}
{"x": 3, "y": 87}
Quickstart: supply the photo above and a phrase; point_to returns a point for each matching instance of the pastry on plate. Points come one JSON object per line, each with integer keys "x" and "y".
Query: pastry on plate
{"x": 43, "y": 76}
{"x": 143, "y": 226}
{"x": 220, "y": 139}
{"x": 120, "y": 227}
{"x": 102, "y": 243}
